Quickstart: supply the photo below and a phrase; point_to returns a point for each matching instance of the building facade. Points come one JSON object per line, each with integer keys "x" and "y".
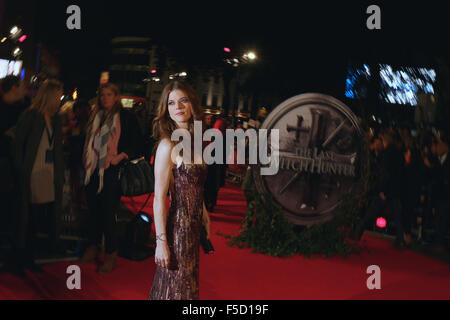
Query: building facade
{"x": 130, "y": 63}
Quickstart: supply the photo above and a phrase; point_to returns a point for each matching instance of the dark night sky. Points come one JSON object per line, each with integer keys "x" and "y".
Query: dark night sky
{"x": 302, "y": 46}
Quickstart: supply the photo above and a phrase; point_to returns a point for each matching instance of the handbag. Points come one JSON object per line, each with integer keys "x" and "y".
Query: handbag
{"x": 136, "y": 178}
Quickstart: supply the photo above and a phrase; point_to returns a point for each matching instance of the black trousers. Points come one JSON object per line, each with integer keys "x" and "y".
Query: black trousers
{"x": 103, "y": 207}
{"x": 408, "y": 206}
{"x": 211, "y": 187}
{"x": 36, "y": 213}
{"x": 442, "y": 220}
{"x": 7, "y": 212}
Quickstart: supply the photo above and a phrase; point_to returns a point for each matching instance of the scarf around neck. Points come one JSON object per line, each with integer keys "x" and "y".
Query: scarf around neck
{"x": 97, "y": 148}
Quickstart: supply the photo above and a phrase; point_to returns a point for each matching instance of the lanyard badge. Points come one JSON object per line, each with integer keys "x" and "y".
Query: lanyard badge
{"x": 49, "y": 152}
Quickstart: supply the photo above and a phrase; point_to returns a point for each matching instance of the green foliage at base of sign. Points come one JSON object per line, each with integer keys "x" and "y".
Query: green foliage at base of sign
{"x": 266, "y": 230}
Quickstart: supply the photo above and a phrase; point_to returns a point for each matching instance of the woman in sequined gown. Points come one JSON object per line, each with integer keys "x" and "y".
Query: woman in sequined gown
{"x": 178, "y": 232}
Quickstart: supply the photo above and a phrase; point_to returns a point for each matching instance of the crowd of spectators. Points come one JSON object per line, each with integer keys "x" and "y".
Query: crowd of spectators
{"x": 411, "y": 170}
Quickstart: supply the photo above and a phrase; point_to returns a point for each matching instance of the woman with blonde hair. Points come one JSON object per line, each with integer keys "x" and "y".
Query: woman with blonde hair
{"x": 38, "y": 160}
{"x": 112, "y": 136}
{"x": 178, "y": 232}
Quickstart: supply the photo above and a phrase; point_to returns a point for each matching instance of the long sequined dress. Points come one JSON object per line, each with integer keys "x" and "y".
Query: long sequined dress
{"x": 183, "y": 226}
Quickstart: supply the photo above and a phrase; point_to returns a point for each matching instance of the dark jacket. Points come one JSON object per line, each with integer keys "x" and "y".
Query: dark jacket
{"x": 25, "y": 145}
{"x": 393, "y": 167}
{"x": 9, "y": 115}
{"x": 415, "y": 178}
{"x": 441, "y": 179}
{"x": 131, "y": 140}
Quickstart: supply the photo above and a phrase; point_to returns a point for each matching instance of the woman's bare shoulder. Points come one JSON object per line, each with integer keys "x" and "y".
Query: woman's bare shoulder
{"x": 165, "y": 143}
{"x": 164, "y": 146}
{"x": 164, "y": 151}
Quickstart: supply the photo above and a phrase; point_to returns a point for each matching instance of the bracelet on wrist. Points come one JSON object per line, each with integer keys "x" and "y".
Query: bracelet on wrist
{"x": 160, "y": 237}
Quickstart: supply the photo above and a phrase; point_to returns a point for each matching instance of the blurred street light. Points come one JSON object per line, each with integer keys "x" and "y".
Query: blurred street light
{"x": 15, "y": 33}
{"x": 237, "y": 62}
{"x": 16, "y": 52}
{"x": 251, "y": 56}
{"x": 3, "y": 39}
{"x": 245, "y": 58}
{"x": 14, "y": 30}
{"x": 152, "y": 79}
{"x": 175, "y": 75}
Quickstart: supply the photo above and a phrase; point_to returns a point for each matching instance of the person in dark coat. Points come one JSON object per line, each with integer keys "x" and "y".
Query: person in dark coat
{"x": 113, "y": 135}
{"x": 426, "y": 219}
{"x": 38, "y": 162}
{"x": 441, "y": 191}
{"x": 216, "y": 172}
{"x": 221, "y": 125}
{"x": 12, "y": 103}
{"x": 389, "y": 189}
{"x": 210, "y": 188}
{"x": 75, "y": 136}
{"x": 413, "y": 190}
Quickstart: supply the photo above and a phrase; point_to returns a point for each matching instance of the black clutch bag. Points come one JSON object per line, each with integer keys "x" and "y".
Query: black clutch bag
{"x": 136, "y": 177}
{"x": 205, "y": 243}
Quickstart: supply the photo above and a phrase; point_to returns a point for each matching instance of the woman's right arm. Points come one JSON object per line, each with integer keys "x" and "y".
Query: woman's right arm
{"x": 163, "y": 166}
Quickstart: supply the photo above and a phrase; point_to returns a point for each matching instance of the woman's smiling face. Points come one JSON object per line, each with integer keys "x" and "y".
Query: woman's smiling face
{"x": 180, "y": 107}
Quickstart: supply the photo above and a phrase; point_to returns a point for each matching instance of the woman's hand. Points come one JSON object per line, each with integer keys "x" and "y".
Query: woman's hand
{"x": 117, "y": 159}
{"x": 162, "y": 253}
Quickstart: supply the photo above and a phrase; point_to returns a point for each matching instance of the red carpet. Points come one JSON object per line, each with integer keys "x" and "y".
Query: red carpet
{"x": 232, "y": 273}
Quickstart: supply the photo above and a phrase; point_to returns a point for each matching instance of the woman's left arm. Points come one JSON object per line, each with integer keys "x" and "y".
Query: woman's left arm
{"x": 206, "y": 220}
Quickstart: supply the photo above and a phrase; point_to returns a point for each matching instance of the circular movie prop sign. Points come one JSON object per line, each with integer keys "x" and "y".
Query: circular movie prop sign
{"x": 318, "y": 152}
